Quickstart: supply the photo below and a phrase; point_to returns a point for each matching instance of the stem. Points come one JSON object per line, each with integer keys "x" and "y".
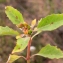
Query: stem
{"x": 28, "y": 50}
{"x": 35, "y": 35}
{"x": 28, "y": 61}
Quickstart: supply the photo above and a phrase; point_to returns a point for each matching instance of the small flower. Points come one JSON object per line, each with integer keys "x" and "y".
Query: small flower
{"x": 27, "y": 29}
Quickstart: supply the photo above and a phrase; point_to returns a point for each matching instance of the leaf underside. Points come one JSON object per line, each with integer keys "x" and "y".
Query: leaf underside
{"x": 7, "y": 31}
{"x": 51, "y": 52}
{"x": 12, "y": 58}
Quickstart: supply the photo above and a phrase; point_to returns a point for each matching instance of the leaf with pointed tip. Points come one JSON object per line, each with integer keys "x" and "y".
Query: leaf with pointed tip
{"x": 14, "y": 15}
{"x": 21, "y": 44}
{"x": 50, "y": 52}
{"x": 12, "y": 58}
{"x": 7, "y": 31}
{"x": 50, "y": 22}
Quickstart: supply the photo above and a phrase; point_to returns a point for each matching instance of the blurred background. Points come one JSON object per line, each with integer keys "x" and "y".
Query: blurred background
{"x": 31, "y": 9}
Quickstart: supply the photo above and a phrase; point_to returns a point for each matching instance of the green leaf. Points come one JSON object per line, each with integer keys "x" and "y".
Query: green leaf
{"x": 12, "y": 58}
{"x": 21, "y": 44}
{"x": 50, "y": 22}
{"x": 51, "y": 52}
{"x": 7, "y": 31}
{"x": 14, "y": 15}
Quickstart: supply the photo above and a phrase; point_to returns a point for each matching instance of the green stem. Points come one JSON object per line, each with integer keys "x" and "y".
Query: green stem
{"x": 28, "y": 50}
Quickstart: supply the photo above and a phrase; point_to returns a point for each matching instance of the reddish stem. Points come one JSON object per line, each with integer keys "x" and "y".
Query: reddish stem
{"x": 28, "y": 50}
